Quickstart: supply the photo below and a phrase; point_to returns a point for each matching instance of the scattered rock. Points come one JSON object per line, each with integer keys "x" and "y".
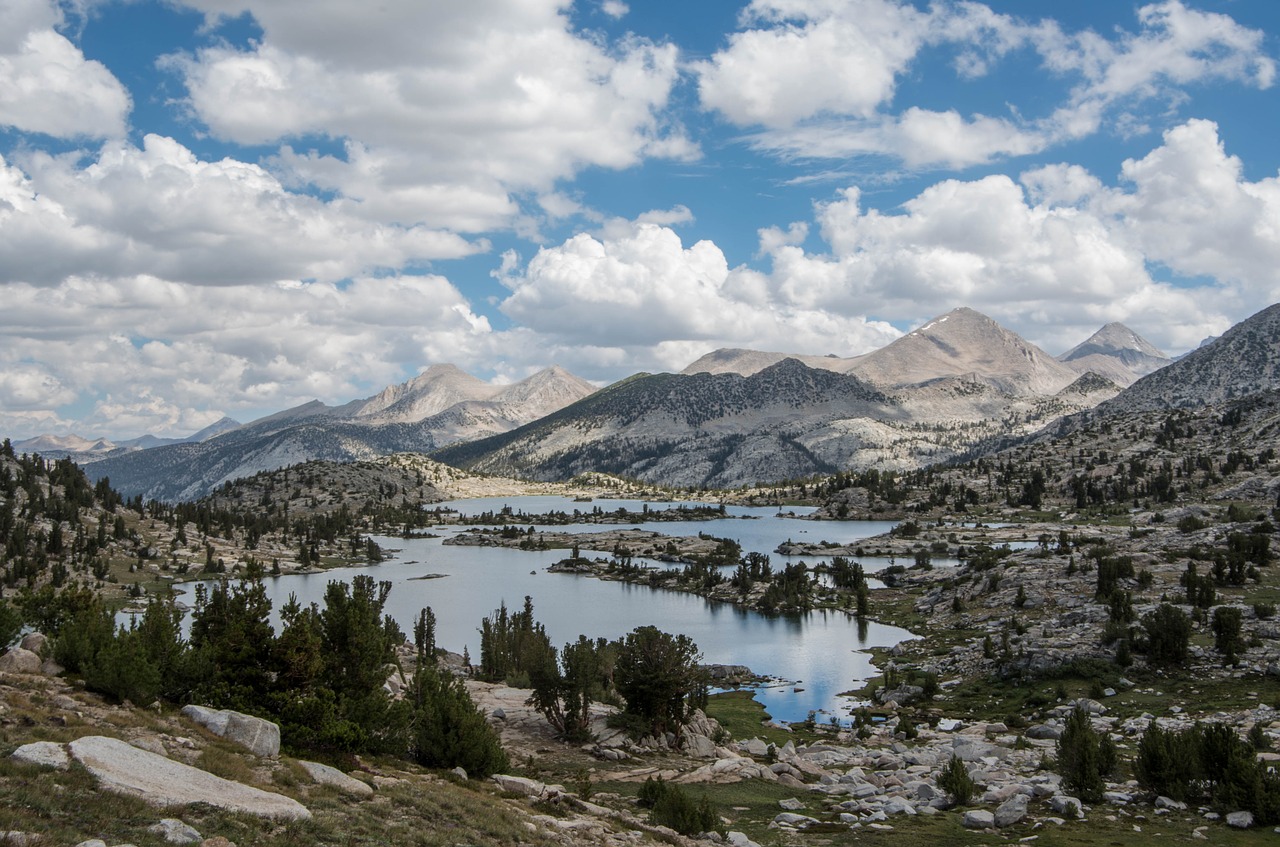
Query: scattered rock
{"x": 520, "y": 785}
{"x": 979, "y": 819}
{"x": 791, "y": 804}
{"x": 258, "y": 736}
{"x": 1068, "y": 807}
{"x": 35, "y": 642}
{"x": 18, "y": 660}
{"x": 325, "y": 775}
{"x": 1240, "y": 820}
{"x": 898, "y": 806}
{"x": 1044, "y": 732}
{"x": 175, "y": 831}
{"x": 794, "y": 820}
{"x": 700, "y": 747}
{"x": 1011, "y": 811}
{"x": 46, "y": 754}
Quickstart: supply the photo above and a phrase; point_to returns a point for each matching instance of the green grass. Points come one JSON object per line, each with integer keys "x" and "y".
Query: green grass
{"x": 743, "y": 718}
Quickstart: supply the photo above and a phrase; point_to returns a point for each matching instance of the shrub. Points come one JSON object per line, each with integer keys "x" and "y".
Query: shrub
{"x": 449, "y": 731}
{"x": 10, "y": 624}
{"x": 955, "y": 780}
{"x": 1208, "y": 763}
{"x": 657, "y": 674}
{"x": 1168, "y": 633}
{"x": 1191, "y": 523}
{"x": 1166, "y": 762}
{"x": 1227, "y": 633}
{"x": 670, "y": 806}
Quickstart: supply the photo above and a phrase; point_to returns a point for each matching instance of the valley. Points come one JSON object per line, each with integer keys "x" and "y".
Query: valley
{"x": 1096, "y": 572}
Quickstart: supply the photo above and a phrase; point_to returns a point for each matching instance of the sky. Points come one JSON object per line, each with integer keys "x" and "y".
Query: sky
{"x": 230, "y": 207}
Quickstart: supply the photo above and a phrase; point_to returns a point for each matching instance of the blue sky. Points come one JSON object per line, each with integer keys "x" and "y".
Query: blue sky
{"x": 231, "y": 206}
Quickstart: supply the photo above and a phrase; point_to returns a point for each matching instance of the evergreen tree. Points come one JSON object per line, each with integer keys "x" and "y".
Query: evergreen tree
{"x": 448, "y": 730}
{"x": 657, "y": 674}
{"x": 1084, "y": 757}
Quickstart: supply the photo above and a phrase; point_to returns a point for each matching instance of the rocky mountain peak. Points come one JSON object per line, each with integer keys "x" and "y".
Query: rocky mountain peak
{"x": 962, "y": 342}
{"x": 545, "y": 391}
{"x": 429, "y": 393}
{"x": 1112, "y": 339}
{"x": 1116, "y": 352}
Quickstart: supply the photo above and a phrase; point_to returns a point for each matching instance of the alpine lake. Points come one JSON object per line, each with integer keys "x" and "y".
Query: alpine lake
{"x": 811, "y": 657}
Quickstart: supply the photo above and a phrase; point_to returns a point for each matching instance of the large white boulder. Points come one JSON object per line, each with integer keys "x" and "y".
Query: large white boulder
{"x": 124, "y": 769}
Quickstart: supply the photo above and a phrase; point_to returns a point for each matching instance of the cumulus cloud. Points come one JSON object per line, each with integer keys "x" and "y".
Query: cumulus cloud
{"x": 46, "y": 83}
{"x": 1192, "y": 209}
{"x": 446, "y": 109}
{"x": 801, "y": 59}
{"x": 162, "y": 211}
{"x": 166, "y": 355}
{"x": 28, "y": 386}
{"x": 644, "y": 298}
{"x": 818, "y": 77}
{"x": 1058, "y": 253}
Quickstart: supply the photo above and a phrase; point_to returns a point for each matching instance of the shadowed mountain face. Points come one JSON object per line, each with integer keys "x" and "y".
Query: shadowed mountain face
{"x": 783, "y": 422}
{"x": 1243, "y": 360}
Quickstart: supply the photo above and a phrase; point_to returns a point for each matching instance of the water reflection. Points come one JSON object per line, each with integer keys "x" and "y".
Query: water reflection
{"x": 820, "y": 652}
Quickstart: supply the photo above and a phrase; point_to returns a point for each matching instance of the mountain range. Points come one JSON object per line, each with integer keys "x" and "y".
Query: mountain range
{"x": 734, "y": 417}
{"x": 84, "y": 450}
{"x": 738, "y": 417}
{"x": 436, "y": 408}
{"x": 968, "y": 344}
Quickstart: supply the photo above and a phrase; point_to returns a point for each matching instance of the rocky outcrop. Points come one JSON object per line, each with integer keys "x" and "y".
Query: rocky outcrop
{"x": 258, "y": 736}
{"x": 325, "y": 775}
{"x": 124, "y": 769}
{"x": 18, "y": 660}
{"x": 45, "y": 754}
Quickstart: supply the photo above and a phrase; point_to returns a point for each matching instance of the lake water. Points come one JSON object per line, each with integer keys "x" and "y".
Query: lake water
{"x": 819, "y": 652}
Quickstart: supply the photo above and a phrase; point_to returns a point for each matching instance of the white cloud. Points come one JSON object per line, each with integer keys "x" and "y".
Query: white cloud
{"x": 1192, "y": 209}
{"x": 446, "y": 110}
{"x": 642, "y": 297}
{"x": 47, "y": 85}
{"x": 1058, "y": 258}
{"x": 919, "y": 137}
{"x": 28, "y": 386}
{"x": 615, "y": 8}
{"x": 808, "y": 58}
{"x": 160, "y": 210}
{"x": 165, "y": 357}
{"x": 819, "y": 76}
